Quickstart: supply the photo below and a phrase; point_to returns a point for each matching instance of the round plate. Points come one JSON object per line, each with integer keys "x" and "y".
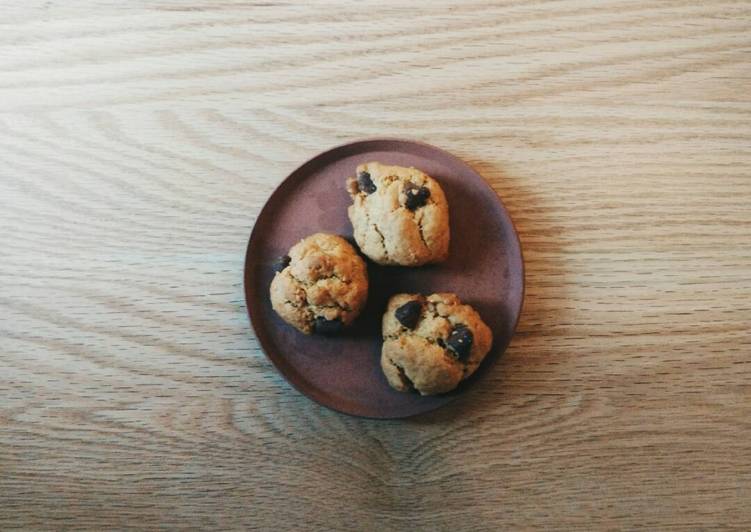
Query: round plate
{"x": 485, "y": 269}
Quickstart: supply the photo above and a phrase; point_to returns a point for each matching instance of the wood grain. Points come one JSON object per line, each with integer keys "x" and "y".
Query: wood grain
{"x": 138, "y": 141}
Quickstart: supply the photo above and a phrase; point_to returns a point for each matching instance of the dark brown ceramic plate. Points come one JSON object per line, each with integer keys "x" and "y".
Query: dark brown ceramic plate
{"x": 484, "y": 269}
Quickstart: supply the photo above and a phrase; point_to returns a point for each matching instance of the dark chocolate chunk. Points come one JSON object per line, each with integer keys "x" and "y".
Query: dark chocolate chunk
{"x": 409, "y": 314}
{"x": 440, "y": 342}
{"x": 416, "y": 196}
{"x": 323, "y": 326}
{"x": 460, "y": 342}
{"x": 365, "y": 184}
{"x": 281, "y": 263}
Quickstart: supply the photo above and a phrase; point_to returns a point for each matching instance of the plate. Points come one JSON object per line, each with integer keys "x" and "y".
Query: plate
{"x": 485, "y": 269}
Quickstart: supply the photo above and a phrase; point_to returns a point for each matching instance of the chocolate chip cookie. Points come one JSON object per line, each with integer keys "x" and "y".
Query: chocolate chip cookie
{"x": 431, "y": 344}
{"x": 321, "y": 285}
{"x": 400, "y": 215}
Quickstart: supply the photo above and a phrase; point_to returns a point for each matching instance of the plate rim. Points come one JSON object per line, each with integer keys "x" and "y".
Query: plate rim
{"x": 450, "y": 396}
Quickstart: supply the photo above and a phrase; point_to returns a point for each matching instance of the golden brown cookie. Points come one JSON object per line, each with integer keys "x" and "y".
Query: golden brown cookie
{"x": 399, "y": 215}
{"x": 431, "y": 344}
{"x": 322, "y": 285}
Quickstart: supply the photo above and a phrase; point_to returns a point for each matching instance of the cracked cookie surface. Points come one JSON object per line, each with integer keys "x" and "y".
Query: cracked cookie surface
{"x": 399, "y": 215}
{"x": 322, "y": 285}
{"x": 431, "y": 344}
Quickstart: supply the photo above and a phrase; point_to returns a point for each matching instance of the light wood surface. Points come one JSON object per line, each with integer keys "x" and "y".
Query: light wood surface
{"x": 138, "y": 141}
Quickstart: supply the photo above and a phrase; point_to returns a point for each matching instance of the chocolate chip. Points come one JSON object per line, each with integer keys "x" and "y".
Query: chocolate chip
{"x": 440, "y": 342}
{"x": 409, "y": 314}
{"x": 323, "y": 326}
{"x": 281, "y": 263}
{"x": 460, "y": 342}
{"x": 416, "y": 196}
{"x": 365, "y": 184}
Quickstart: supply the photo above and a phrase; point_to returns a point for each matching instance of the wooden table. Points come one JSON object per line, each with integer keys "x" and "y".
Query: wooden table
{"x": 138, "y": 141}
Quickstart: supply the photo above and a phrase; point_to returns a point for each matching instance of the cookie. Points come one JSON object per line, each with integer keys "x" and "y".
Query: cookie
{"x": 321, "y": 285}
{"x": 399, "y": 215}
{"x": 431, "y": 344}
